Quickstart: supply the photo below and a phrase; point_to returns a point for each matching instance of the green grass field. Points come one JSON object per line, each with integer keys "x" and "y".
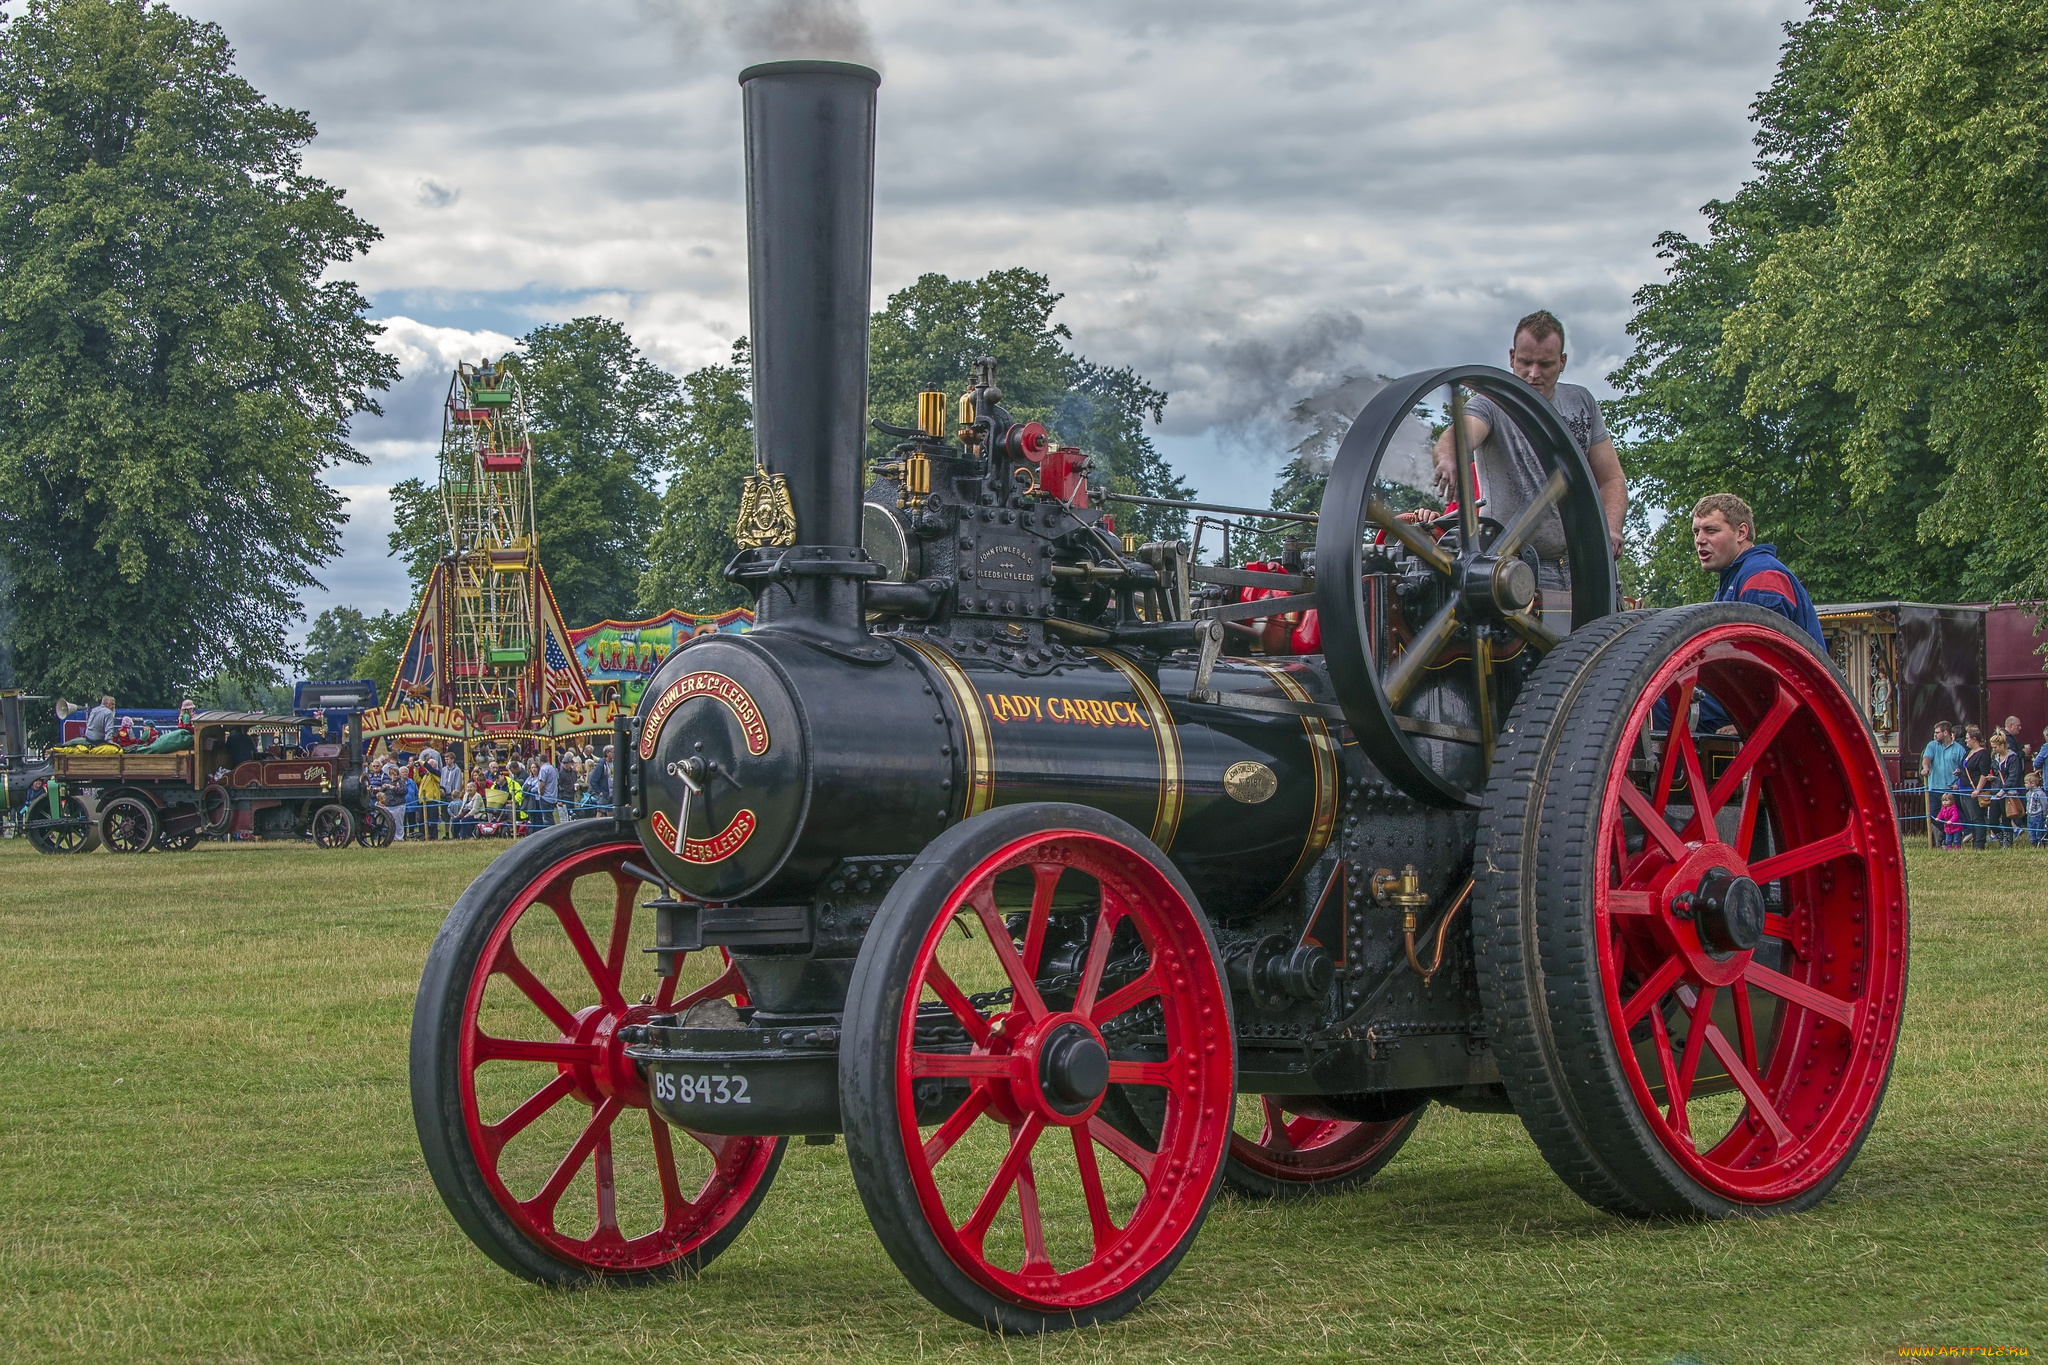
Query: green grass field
{"x": 207, "y": 1153}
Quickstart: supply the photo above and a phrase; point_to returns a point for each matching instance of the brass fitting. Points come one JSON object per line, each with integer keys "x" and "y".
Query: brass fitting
{"x": 1404, "y": 890}
{"x": 931, "y": 413}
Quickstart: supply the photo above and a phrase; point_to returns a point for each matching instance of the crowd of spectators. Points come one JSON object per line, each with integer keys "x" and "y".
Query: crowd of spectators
{"x": 1986, "y": 791}
{"x": 435, "y": 795}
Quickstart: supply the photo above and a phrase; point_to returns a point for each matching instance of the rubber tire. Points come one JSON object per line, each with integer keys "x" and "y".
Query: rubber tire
{"x": 349, "y": 824}
{"x": 376, "y": 829}
{"x": 867, "y": 1062}
{"x": 1243, "y": 1180}
{"x": 437, "y": 1090}
{"x": 1533, "y": 920}
{"x": 118, "y": 808}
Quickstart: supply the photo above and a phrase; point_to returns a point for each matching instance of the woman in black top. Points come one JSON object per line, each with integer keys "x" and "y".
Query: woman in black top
{"x": 1983, "y": 777}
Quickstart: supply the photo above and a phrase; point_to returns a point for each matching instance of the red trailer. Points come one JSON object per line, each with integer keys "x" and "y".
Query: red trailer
{"x": 2015, "y": 675}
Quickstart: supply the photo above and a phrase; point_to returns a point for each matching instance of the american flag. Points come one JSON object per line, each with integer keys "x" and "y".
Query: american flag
{"x": 564, "y": 679}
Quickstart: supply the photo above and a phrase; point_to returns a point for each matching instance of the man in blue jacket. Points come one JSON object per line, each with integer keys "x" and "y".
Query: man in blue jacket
{"x": 1723, "y": 535}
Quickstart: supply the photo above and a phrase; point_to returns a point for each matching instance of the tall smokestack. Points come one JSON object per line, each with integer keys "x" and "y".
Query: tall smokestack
{"x": 810, "y": 130}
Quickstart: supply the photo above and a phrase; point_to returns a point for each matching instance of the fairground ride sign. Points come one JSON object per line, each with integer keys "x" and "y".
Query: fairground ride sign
{"x": 582, "y": 718}
{"x": 628, "y": 652}
{"x": 416, "y": 719}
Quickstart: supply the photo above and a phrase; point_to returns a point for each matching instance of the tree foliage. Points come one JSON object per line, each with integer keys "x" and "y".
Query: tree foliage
{"x": 1924, "y": 296}
{"x": 420, "y": 530}
{"x": 713, "y": 453}
{"x": 388, "y": 630}
{"x": 929, "y": 335}
{"x": 335, "y": 644}
{"x": 1691, "y": 427}
{"x": 603, "y": 422}
{"x": 176, "y": 367}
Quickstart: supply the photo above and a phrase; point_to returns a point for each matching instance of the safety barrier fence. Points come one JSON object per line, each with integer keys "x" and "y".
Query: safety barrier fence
{"x": 455, "y": 820}
{"x": 1918, "y": 806}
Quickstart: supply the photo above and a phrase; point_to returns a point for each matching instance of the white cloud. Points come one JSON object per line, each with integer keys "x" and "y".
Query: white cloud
{"x": 1245, "y": 202}
{"x": 366, "y": 577}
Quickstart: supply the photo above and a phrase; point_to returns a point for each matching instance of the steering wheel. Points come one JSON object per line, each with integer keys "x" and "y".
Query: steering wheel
{"x": 1428, "y": 724}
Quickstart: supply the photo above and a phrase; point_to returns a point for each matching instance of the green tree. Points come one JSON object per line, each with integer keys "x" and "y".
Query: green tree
{"x": 1924, "y": 295}
{"x": 420, "y": 529}
{"x": 177, "y": 366}
{"x": 388, "y": 631}
{"x": 224, "y": 692}
{"x": 713, "y": 453}
{"x": 335, "y": 643}
{"x": 1689, "y": 427}
{"x": 929, "y": 335}
{"x": 6, "y": 621}
{"x": 603, "y": 422}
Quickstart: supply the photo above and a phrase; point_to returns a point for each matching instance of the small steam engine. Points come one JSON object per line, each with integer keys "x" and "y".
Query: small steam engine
{"x": 1032, "y": 861}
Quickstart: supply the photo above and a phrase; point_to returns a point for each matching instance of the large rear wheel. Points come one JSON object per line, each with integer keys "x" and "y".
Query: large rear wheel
{"x": 974, "y": 1069}
{"x": 534, "y": 1123}
{"x": 1693, "y": 947}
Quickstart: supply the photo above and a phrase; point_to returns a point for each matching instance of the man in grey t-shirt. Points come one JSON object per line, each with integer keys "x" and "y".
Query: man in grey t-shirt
{"x": 1510, "y": 473}
{"x": 100, "y": 722}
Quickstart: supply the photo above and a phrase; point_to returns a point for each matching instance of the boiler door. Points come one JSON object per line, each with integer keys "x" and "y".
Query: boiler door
{"x": 723, "y": 755}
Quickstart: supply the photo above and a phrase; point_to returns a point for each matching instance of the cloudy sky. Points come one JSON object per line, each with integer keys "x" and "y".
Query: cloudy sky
{"x": 1246, "y": 201}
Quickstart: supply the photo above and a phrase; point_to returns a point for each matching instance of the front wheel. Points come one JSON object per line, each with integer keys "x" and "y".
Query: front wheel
{"x": 975, "y": 1063}
{"x": 71, "y": 830}
{"x": 534, "y": 1123}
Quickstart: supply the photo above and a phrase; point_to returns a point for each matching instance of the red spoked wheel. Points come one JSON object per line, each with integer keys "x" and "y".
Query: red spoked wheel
{"x": 974, "y": 1068}
{"x": 534, "y": 1123}
{"x": 1279, "y": 1152}
{"x": 1723, "y": 975}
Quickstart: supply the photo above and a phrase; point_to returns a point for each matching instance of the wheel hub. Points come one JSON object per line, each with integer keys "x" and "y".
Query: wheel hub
{"x": 612, "y": 1072}
{"x": 1728, "y": 911}
{"x": 1502, "y": 586}
{"x": 1073, "y": 1068}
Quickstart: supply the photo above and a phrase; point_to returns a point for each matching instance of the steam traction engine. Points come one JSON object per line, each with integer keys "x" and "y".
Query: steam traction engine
{"x": 993, "y": 849}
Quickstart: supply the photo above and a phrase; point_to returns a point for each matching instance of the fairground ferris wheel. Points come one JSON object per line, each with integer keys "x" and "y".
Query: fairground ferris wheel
{"x": 488, "y": 647}
{"x": 487, "y": 498}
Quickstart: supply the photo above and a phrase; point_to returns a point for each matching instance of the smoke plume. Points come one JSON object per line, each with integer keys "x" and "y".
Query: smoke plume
{"x": 768, "y": 30}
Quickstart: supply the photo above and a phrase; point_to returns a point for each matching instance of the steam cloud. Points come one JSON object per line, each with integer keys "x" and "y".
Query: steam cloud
{"x": 769, "y": 30}
{"x": 1323, "y": 418}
